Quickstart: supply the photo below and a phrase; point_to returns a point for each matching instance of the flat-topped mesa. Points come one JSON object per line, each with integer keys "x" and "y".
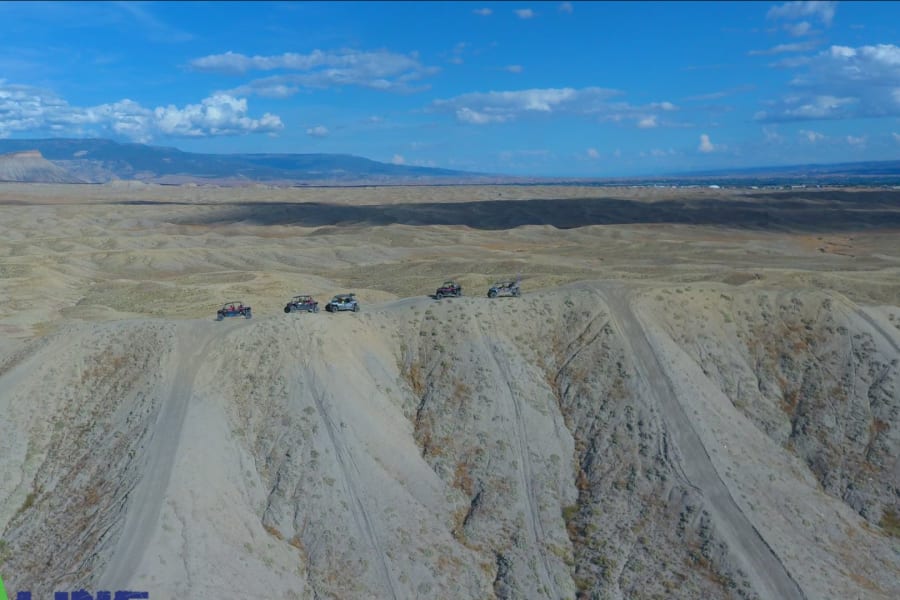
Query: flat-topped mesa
{"x": 23, "y": 154}
{"x": 30, "y": 166}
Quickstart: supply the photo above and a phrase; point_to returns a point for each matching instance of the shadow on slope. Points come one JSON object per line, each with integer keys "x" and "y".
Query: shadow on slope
{"x": 834, "y": 211}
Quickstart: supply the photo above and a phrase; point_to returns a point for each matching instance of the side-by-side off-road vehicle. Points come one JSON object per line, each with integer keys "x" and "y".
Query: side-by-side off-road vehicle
{"x": 504, "y": 288}
{"x": 343, "y": 302}
{"x": 449, "y": 289}
{"x": 233, "y": 309}
{"x": 302, "y": 304}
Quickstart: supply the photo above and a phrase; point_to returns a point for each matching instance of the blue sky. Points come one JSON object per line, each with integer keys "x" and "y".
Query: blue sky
{"x": 527, "y": 88}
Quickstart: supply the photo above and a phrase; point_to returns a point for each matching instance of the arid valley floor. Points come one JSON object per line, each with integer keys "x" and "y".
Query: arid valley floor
{"x": 697, "y": 395}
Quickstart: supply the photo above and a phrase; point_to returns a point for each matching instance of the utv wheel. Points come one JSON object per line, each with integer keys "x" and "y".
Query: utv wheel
{"x": 219, "y": 317}
{"x": 287, "y": 309}
{"x": 315, "y": 309}
{"x": 492, "y": 294}
{"x": 356, "y": 308}
{"x": 439, "y": 296}
{"x": 247, "y": 315}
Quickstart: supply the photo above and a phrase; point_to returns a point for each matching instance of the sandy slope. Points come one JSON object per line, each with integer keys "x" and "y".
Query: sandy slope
{"x": 674, "y": 409}
{"x": 289, "y": 453}
{"x": 766, "y": 572}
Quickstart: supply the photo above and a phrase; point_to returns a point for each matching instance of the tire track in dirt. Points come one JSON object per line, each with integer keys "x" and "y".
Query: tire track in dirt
{"x": 536, "y": 533}
{"x": 193, "y": 341}
{"x": 765, "y": 570}
{"x": 884, "y": 333}
{"x": 350, "y": 471}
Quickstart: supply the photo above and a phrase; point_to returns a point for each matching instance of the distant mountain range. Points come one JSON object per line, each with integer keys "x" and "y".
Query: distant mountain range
{"x": 99, "y": 161}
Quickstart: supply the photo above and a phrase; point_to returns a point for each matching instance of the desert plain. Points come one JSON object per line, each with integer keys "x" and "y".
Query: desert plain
{"x": 697, "y": 395}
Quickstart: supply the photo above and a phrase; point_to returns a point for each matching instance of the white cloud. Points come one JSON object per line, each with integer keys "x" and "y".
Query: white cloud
{"x": 484, "y": 12}
{"x": 566, "y": 7}
{"x": 467, "y": 115}
{"x": 824, "y": 11}
{"x": 856, "y": 141}
{"x": 648, "y": 122}
{"x": 772, "y": 135}
{"x": 28, "y": 109}
{"x": 318, "y": 131}
{"x": 382, "y": 70}
{"x": 812, "y": 136}
{"x": 525, "y": 13}
{"x": 397, "y": 159}
{"x": 843, "y": 82}
{"x": 592, "y": 152}
{"x": 514, "y": 68}
{"x": 706, "y": 146}
{"x": 799, "y": 29}
{"x": 783, "y": 48}
{"x": 896, "y": 137}
{"x": 481, "y": 108}
{"x": 155, "y": 29}
{"x": 219, "y": 114}
{"x": 723, "y": 93}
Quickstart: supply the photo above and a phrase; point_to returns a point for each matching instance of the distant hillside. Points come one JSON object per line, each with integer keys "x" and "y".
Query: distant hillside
{"x": 99, "y": 160}
{"x": 870, "y": 172}
{"x": 31, "y": 167}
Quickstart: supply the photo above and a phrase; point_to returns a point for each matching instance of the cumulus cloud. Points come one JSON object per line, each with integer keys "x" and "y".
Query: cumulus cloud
{"x": 842, "y": 83}
{"x": 823, "y": 11}
{"x": 398, "y": 159}
{"x": 484, "y": 12}
{"x": 812, "y": 136}
{"x": 783, "y": 48}
{"x": 514, "y": 68}
{"x": 896, "y": 137}
{"x": 525, "y": 13}
{"x": 856, "y": 141}
{"x": 29, "y": 109}
{"x": 648, "y": 122}
{"x": 480, "y": 108}
{"x": 219, "y": 114}
{"x": 566, "y": 7}
{"x": 706, "y": 146}
{"x": 382, "y": 70}
{"x": 592, "y": 152}
{"x": 318, "y": 131}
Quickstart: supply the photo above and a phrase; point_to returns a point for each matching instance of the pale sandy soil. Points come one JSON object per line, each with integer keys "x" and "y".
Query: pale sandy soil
{"x": 698, "y": 394}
